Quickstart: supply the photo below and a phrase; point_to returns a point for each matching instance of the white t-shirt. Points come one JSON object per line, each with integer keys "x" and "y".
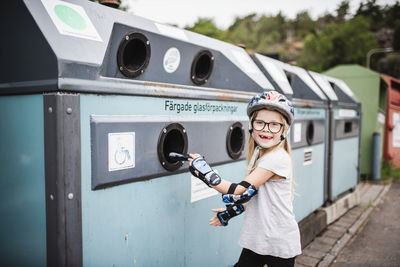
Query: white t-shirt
{"x": 269, "y": 226}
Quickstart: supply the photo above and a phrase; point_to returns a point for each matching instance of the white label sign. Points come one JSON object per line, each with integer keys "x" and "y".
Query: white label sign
{"x": 347, "y": 113}
{"x": 71, "y": 19}
{"x": 121, "y": 151}
{"x": 297, "y": 132}
{"x": 381, "y": 118}
{"x": 200, "y": 190}
{"x": 396, "y": 130}
{"x": 171, "y": 61}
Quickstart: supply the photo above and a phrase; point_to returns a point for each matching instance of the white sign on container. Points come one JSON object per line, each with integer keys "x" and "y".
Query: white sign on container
{"x": 296, "y": 132}
{"x": 171, "y": 60}
{"x": 121, "y": 151}
{"x": 396, "y": 130}
{"x": 71, "y": 19}
{"x": 199, "y": 190}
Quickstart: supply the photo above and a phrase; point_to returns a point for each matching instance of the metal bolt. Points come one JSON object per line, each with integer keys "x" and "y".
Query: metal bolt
{"x": 69, "y": 110}
{"x": 212, "y": 58}
{"x": 184, "y": 130}
{"x": 127, "y": 37}
{"x": 50, "y": 109}
{"x": 193, "y": 77}
{"x": 231, "y": 128}
{"x": 164, "y": 130}
{"x": 51, "y": 197}
{"x": 206, "y": 80}
{"x": 163, "y": 163}
{"x": 148, "y": 42}
{"x": 70, "y": 196}
{"x": 121, "y": 68}
{"x": 141, "y": 71}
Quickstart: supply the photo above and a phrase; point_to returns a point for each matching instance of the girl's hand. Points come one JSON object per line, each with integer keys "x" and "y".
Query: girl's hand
{"x": 214, "y": 221}
{"x": 192, "y": 157}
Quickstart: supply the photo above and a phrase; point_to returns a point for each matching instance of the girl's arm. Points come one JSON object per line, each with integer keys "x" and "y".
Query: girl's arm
{"x": 257, "y": 177}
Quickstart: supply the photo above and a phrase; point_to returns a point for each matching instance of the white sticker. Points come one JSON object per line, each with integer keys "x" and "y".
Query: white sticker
{"x": 121, "y": 151}
{"x": 396, "y": 130}
{"x": 297, "y": 132}
{"x": 71, "y": 19}
{"x": 307, "y": 156}
{"x": 347, "y": 113}
{"x": 245, "y": 62}
{"x": 171, "y": 61}
{"x": 171, "y": 31}
{"x": 381, "y": 118}
{"x": 200, "y": 190}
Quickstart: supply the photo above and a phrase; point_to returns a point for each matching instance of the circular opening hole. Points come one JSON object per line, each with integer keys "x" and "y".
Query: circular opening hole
{"x": 134, "y": 55}
{"x": 202, "y": 67}
{"x": 173, "y": 142}
{"x": 310, "y": 133}
{"x": 173, "y": 138}
{"x": 236, "y": 140}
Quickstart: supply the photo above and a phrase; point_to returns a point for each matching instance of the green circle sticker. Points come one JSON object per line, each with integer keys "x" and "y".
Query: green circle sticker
{"x": 70, "y": 17}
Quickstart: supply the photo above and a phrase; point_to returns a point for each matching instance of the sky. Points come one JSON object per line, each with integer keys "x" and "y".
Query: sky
{"x": 223, "y": 12}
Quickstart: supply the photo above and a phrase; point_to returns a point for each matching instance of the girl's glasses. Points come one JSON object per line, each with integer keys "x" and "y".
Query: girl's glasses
{"x": 273, "y": 127}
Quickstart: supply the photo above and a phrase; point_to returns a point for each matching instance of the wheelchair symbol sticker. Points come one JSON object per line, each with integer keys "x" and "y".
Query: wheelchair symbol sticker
{"x": 121, "y": 151}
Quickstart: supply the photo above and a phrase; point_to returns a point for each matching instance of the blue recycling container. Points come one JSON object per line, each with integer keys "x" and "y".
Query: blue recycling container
{"x": 344, "y": 135}
{"x": 93, "y": 101}
{"x": 308, "y": 133}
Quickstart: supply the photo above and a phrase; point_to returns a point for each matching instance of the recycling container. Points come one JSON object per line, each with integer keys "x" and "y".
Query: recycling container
{"x": 344, "y": 135}
{"x": 392, "y": 131}
{"x": 93, "y": 100}
{"x": 308, "y": 133}
{"x": 371, "y": 92}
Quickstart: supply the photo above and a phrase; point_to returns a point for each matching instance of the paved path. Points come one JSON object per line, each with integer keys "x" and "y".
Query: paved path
{"x": 378, "y": 242}
{"x": 323, "y": 250}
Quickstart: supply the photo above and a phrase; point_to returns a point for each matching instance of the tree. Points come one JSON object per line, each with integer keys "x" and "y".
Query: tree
{"x": 207, "y": 27}
{"x": 303, "y": 24}
{"x": 396, "y": 37}
{"x": 390, "y": 65}
{"x": 392, "y": 15}
{"x": 243, "y": 31}
{"x": 342, "y": 11}
{"x": 373, "y": 12}
{"x": 338, "y": 44}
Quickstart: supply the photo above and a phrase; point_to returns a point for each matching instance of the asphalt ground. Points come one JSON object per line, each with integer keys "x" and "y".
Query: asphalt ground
{"x": 378, "y": 242}
{"x": 334, "y": 246}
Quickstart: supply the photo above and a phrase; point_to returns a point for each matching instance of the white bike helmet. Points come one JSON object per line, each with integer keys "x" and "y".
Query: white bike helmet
{"x": 272, "y": 100}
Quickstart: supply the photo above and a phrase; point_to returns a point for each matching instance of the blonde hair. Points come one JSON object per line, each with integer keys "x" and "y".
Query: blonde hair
{"x": 251, "y": 146}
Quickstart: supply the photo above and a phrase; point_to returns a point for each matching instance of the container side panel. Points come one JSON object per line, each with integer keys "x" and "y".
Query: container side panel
{"x": 308, "y": 171}
{"x": 22, "y": 182}
{"x": 344, "y": 167}
{"x": 151, "y": 222}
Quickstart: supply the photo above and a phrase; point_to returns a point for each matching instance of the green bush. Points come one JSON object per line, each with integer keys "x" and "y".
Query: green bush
{"x": 389, "y": 171}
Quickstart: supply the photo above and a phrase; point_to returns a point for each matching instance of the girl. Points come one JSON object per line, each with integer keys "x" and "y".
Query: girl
{"x": 270, "y": 233}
